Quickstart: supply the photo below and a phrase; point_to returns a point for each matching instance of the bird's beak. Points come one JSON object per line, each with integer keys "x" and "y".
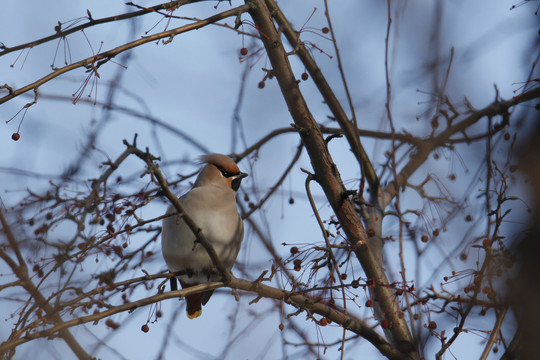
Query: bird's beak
{"x": 236, "y": 180}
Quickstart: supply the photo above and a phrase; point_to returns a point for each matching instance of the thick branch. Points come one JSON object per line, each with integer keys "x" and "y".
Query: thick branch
{"x": 302, "y": 302}
{"x": 327, "y": 175}
{"x": 326, "y": 91}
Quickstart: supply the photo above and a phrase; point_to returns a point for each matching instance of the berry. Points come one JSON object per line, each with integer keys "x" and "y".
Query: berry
{"x": 369, "y": 303}
{"x": 425, "y": 238}
{"x": 145, "y": 328}
{"x": 325, "y": 30}
{"x": 15, "y": 136}
{"x": 323, "y": 322}
{"x": 432, "y": 325}
{"x": 261, "y": 85}
{"x": 305, "y": 76}
{"x": 111, "y": 324}
{"x": 343, "y": 276}
{"x": 243, "y": 51}
{"x": 294, "y": 250}
{"x": 281, "y": 326}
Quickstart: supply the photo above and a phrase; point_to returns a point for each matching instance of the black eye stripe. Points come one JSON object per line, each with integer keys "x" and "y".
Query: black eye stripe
{"x": 225, "y": 172}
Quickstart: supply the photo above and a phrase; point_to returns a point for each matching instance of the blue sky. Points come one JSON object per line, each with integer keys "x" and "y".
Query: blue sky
{"x": 193, "y": 84}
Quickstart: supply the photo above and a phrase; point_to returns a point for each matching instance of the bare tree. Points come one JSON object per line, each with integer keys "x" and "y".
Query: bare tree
{"x": 410, "y": 251}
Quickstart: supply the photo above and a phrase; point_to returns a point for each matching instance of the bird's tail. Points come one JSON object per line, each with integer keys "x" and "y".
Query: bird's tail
{"x": 194, "y": 305}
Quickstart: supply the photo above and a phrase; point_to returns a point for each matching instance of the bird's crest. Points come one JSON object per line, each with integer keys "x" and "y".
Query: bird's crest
{"x": 221, "y": 161}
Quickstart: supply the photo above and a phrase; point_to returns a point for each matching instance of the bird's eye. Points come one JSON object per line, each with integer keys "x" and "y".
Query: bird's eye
{"x": 224, "y": 172}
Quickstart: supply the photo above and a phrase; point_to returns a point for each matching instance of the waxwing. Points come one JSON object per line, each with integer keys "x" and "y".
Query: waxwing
{"x": 211, "y": 203}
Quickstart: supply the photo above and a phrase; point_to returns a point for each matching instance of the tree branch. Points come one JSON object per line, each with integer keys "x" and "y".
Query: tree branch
{"x": 107, "y": 55}
{"x": 327, "y": 174}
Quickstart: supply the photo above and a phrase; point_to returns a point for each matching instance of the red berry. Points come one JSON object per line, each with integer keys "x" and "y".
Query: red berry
{"x": 261, "y": 85}
{"x": 15, "y": 136}
{"x": 369, "y": 303}
{"x": 344, "y": 276}
{"x": 432, "y": 325}
{"x": 145, "y": 328}
{"x": 425, "y": 238}
{"x": 281, "y": 326}
{"x": 243, "y": 51}
{"x": 323, "y": 322}
{"x": 294, "y": 250}
{"x": 325, "y": 30}
{"x": 384, "y": 324}
{"x": 305, "y": 76}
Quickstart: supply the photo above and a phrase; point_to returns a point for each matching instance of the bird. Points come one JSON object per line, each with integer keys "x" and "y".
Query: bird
{"x": 211, "y": 204}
